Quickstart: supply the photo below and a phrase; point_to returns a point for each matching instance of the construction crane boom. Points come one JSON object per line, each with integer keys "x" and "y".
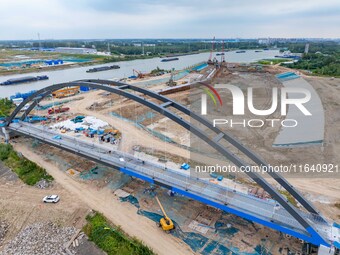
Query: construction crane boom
{"x": 222, "y": 55}
{"x": 161, "y": 206}
{"x": 139, "y": 73}
{"x": 211, "y": 52}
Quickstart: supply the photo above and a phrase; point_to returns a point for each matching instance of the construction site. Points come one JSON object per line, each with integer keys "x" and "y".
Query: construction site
{"x": 116, "y": 123}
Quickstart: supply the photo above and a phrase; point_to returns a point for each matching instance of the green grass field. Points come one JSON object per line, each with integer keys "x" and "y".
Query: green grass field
{"x": 6, "y": 107}
{"x": 28, "y": 171}
{"x": 112, "y": 240}
{"x": 273, "y": 61}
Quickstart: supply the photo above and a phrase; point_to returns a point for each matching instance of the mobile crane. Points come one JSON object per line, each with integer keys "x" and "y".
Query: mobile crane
{"x": 165, "y": 223}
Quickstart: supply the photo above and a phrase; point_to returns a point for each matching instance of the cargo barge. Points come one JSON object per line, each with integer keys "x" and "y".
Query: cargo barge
{"x": 103, "y": 68}
{"x": 288, "y": 56}
{"x": 241, "y": 51}
{"x": 181, "y": 54}
{"x": 169, "y": 59}
{"x": 24, "y": 79}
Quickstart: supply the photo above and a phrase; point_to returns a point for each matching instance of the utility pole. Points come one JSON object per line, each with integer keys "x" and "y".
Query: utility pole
{"x": 222, "y": 54}
{"x": 210, "y": 60}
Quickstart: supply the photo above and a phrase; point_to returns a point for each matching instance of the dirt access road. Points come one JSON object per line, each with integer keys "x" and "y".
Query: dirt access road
{"x": 122, "y": 214}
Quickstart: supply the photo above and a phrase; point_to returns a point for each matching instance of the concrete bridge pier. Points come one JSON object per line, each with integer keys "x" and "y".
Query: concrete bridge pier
{"x": 5, "y": 134}
{"x": 333, "y": 250}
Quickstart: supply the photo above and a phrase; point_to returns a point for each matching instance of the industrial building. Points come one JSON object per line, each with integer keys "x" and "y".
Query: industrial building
{"x": 76, "y": 50}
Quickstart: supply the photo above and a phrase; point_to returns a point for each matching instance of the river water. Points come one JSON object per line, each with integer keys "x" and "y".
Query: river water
{"x": 126, "y": 67}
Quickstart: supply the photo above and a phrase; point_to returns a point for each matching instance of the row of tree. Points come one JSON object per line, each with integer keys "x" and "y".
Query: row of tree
{"x": 321, "y": 64}
{"x": 128, "y": 47}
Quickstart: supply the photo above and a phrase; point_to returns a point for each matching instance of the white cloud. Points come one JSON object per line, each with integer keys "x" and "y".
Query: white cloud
{"x": 22, "y": 19}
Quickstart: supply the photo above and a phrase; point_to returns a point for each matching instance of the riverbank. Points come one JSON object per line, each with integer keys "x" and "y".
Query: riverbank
{"x": 318, "y": 64}
{"x": 90, "y": 61}
{"x": 10, "y": 56}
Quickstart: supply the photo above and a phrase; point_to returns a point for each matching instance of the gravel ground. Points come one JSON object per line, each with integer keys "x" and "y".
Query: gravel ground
{"x": 3, "y": 230}
{"x": 6, "y": 174}
{"x": 86, "y": 247}
{"x": 40, "y": 238}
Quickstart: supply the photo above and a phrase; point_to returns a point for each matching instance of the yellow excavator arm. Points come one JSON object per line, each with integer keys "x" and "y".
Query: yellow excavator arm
{"x": 165, "y": 222}
{"x": 161, "y": 206}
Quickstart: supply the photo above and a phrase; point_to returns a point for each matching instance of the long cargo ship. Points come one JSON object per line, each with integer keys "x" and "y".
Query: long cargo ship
{"x": 241, "y": 51}
{"x": 169, "y": 59}
{"x": 288, "y": 56}
{"x": 181, "y": 54}
{"x": 103, "y": 68}
{"x": 24, "y": 79}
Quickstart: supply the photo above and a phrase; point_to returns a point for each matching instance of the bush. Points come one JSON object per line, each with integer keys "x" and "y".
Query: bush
{"x": 6, "y": 107}
{"x": 28, "y": 171}
{"x": 112, "y": 240}
{"x": 319, "y": 64}
{"x": 289, "y": 197}
{"x": 5, "y": 150}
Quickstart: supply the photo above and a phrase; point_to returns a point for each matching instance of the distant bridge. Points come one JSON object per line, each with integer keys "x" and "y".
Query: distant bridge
{"x": 307, "y": 225}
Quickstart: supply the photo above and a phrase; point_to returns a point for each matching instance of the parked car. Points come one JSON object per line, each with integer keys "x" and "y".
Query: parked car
{"x": 51, "y": 199}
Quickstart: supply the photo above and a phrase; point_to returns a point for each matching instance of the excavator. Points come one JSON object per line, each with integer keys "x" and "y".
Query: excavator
{"x": 139, "y": 73}
{"x": 165, "y": 223}
{"x": 171, "y": 82}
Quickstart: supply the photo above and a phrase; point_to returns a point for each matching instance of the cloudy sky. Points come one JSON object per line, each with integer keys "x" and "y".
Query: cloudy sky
{"x": 58, "y": 19}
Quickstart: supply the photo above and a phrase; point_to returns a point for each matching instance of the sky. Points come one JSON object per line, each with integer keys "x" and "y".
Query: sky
{"x": 106, "y": 19}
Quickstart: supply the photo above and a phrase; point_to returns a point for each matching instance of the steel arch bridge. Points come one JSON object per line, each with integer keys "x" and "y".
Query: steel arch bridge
{"x": 309, "y": 224}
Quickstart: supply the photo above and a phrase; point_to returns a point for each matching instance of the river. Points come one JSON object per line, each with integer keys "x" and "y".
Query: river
{"x": 126, "y": 67}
